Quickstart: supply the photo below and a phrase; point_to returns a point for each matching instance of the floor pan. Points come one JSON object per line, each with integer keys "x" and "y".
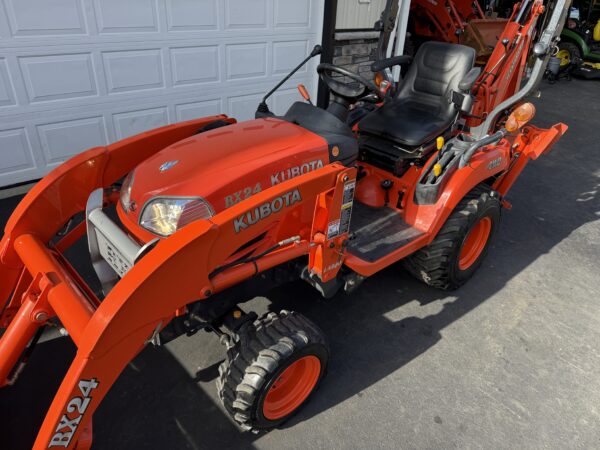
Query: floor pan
{"x": 377, "y": 232}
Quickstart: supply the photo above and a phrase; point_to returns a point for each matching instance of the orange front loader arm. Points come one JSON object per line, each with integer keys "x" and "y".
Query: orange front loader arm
{"x": 175, "y": 273}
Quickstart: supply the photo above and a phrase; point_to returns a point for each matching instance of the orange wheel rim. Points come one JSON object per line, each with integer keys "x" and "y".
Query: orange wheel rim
{"x": 292, "y": 387}
{"x": 475, "y": 243}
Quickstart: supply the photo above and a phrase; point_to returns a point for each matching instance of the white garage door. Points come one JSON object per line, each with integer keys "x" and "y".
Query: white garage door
{"x": 75, "y": 74}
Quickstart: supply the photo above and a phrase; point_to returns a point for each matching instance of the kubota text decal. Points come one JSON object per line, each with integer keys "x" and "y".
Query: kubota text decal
{"x": 266, "y": 209}
{"x": 294, "y": 172}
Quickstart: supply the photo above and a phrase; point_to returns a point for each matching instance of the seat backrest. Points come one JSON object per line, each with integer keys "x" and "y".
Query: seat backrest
{"x": 437, "y": 69}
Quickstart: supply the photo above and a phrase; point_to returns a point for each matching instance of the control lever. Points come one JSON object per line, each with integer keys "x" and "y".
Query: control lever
{"x": 387, "y": 185}
{"x": 304, "y": 93}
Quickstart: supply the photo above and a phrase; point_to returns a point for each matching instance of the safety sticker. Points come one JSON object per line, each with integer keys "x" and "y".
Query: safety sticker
{"x": 345, "y": 218}
{"x": 333, "y": 229}
{"x": 349, "y": 193}
{"x": 342, "y": 226}
{"x": 348, "y": 201}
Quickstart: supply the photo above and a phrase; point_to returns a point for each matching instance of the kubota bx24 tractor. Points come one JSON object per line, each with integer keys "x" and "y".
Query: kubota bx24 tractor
{"x": 188, "y": 221}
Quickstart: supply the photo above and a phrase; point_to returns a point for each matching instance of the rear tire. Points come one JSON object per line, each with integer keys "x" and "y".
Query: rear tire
{"x": 461, "y": 245}
{"x": 273, "y": 368}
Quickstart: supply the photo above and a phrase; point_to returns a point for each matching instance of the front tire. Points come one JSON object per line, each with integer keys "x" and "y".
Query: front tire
{"x": 461, "y": 245}
{"x": 272, "y": 369}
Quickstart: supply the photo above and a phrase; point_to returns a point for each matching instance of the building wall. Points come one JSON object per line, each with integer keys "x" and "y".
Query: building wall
{"x": 358, "y": 14}
{"x": 356, "y": 53}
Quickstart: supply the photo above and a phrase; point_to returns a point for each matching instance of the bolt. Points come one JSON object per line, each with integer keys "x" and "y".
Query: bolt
{"x": 207, "y": 293}
{"x": 41, "y": 316}
{"x": 237, "y": 314}
{"x": 346, "y": 178}
{"x": 331, "y": 245}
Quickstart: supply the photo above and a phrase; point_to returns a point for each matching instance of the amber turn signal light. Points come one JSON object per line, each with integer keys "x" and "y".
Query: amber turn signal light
{"x": 379, "y": 78}
{"x": 520, "y": 117}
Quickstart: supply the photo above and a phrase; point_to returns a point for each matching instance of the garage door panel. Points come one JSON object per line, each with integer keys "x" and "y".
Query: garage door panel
{"x": 192, "y": 15}
{"x": 58, "y": 77}
{"x": 194, "y": 65}
{"x": 88, "y": 72}
{"x": 243, "y": 14}
{"x": 62, "y": 140}
{"x": 62, "y": 18}
{"x": 7, "y": 93}
{"x": 292, "y": 13}
{"x": 128, "y": 71}
{"x": 287, "y": 55}
{"x": 16, "y": 153}
{"x": 117, "y": 16}
{"x": 246, "y": 60}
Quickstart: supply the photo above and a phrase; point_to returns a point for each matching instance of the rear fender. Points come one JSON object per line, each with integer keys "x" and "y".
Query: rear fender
{"x": 485, "y": 164}
{"x": 504, "y": 161}
{"x": 529, "y": 145}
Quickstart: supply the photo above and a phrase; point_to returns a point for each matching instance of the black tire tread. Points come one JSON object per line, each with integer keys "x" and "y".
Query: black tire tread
{"x": 431, "y": 264}
{"x": 261, "y": 348}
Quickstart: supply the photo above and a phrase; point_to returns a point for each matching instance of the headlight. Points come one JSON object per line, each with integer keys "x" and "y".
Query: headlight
{"x": 126, "y": 192}
{"x": 164, "y": 216}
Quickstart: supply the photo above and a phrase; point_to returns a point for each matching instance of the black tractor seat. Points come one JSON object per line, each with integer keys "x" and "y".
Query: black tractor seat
{"x": 423, "y": 108}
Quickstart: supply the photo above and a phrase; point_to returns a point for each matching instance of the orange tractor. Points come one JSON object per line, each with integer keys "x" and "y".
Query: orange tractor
{"x": 186, "y": 222}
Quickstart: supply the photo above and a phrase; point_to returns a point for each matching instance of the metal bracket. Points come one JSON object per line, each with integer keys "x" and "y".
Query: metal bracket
{"x": 113, "y": 252}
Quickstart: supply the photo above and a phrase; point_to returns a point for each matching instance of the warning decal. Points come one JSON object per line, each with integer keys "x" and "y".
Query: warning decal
{"x": 347, "y": 203}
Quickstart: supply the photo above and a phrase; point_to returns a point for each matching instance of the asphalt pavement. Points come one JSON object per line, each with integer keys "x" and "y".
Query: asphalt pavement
{"x": 510, "y": 361}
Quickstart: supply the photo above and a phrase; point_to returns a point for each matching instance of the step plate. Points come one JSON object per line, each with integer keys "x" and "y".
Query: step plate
{"x": 378, "y": 232}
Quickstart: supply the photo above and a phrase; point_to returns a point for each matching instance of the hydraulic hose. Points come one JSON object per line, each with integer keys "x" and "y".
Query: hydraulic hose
{"x": 466, "y": 157}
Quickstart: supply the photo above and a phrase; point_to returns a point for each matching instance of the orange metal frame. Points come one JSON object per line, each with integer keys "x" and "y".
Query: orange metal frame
{"x": 38, "y": 284}
{"x": 109, "y": 334}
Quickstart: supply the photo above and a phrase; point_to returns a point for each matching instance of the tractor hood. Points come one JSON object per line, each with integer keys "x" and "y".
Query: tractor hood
{"x": 224, "y": 166}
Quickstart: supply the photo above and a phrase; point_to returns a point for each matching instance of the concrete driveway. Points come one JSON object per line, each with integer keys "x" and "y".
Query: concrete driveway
{"x": 512, "y": 360}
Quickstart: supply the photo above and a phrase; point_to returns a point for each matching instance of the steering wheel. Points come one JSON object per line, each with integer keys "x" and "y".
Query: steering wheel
{"x": 346, "y": 90}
